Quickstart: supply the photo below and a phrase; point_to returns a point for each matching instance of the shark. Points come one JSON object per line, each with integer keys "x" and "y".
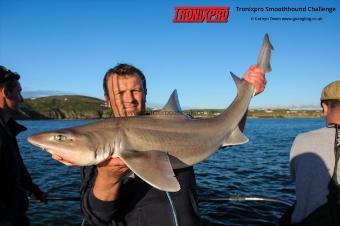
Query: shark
{"x": 153, "y": 145}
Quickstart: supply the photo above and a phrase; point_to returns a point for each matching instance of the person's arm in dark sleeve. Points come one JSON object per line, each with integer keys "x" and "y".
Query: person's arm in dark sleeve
{"x": 96, "y": 212}
{"x": 28, "y": 184}
{"x": 4, "y": 174}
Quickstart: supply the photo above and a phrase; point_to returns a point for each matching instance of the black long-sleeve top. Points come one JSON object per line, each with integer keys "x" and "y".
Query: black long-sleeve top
{"x": 140, "y": 204}
{"x": 16, "y": 182}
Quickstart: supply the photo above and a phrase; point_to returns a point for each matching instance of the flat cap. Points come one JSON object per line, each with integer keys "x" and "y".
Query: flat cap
{"x": 331, "y": 91}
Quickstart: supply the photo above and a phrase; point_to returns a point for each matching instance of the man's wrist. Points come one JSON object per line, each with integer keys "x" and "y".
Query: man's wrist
{"x": 100, "y": 205}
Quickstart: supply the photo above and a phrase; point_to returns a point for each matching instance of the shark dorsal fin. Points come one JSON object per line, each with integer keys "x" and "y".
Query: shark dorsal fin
{"x": 173, "y": 103}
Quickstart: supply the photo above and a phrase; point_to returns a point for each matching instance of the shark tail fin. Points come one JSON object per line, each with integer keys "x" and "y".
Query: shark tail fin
{"x": 235, "y": 138}
{"x": 266, "y": 40}
{"x": 153, "y": 167}
{"x": 265, "y": 54}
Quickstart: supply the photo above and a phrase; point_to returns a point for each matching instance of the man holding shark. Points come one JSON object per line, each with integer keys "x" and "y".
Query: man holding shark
{"x": 158, "y": 149}
{"x": 109, "y": 197}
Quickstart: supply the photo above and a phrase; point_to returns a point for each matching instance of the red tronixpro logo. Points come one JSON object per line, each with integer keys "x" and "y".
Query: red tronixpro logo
{"x": 199, "y": 14}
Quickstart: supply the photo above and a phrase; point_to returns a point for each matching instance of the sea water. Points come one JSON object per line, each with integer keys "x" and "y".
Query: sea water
{"x": 259, "y": 168}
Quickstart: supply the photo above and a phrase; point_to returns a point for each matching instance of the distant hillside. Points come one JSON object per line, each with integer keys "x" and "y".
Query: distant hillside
{"x": 285, "y": 113}
{"x": 83, "y": 107}
{"x": 64, "y": 107}
{"x": 262, "y": 113}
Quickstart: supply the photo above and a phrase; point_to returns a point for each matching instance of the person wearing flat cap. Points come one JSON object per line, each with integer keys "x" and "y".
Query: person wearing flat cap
{"x": 16, "y": 182}
{"x": 315, "y": 168}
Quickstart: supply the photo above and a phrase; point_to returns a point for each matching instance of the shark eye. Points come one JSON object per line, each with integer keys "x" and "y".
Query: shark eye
{"x": 60, "y": 137}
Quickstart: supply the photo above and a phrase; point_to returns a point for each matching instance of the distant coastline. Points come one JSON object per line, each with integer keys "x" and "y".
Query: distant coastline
{"x": 75, "y": 107}
{"x": 263, "y": 113}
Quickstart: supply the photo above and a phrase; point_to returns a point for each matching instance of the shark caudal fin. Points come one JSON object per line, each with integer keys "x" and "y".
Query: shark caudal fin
{"x": 235, "y": 138}
{"x": 265, "y": 54}
{"x": 263, "y": 61}
{"x": 153, "y": 167}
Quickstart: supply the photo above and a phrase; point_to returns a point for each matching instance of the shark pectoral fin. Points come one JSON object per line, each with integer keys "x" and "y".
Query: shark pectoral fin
{"x": 236, "y": 137}
{"x": 153, "y": 167}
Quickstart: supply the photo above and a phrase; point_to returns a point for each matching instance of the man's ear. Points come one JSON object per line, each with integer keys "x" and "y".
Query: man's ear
{"x": 107, "y": 99}
{"x": 325, "y": 108}
{"x": 6, "y": 93}
{"x": 2, "y": 93}
{"x": 144, "y": 97}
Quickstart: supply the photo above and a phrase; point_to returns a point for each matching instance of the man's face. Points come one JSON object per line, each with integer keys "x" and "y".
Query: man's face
{"x": 13, "y": 97}
{"x": 332, "y": 114}
{"x": 126, "y": 95}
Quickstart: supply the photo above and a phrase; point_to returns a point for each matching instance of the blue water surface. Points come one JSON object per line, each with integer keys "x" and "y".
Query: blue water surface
{"x": 259, "y": 168}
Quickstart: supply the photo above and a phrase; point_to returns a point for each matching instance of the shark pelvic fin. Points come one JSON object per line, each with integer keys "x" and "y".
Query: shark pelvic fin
{"x": 173, "y": 103}
{"x": 235, "y": 138}
{"x": 153, "y": 167}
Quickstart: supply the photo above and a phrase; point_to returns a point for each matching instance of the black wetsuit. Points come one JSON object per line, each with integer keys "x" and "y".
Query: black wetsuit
{"x": 16, "y": 182}
{"x": 140, "y": 204}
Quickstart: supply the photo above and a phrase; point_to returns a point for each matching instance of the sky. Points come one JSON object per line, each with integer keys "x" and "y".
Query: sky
{"x": 66, "y": 46}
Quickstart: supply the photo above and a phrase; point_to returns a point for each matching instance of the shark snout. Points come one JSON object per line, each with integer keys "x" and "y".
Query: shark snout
{"x": 34, "y": 140}
{"x": 43, "y": 141}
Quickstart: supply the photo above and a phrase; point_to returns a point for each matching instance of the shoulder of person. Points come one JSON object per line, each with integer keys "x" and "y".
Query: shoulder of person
{"x": 315, "y": 134}
{"x": 313, "y": 141}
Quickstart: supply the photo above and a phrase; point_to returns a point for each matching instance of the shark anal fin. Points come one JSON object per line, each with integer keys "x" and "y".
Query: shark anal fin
{"x": 153, "y": 167}
{"x": 235, "y": 138}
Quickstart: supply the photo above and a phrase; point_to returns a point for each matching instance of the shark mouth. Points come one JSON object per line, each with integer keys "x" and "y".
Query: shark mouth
{"x": 55, "y": 155}
{"x": 62, "y": 160}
